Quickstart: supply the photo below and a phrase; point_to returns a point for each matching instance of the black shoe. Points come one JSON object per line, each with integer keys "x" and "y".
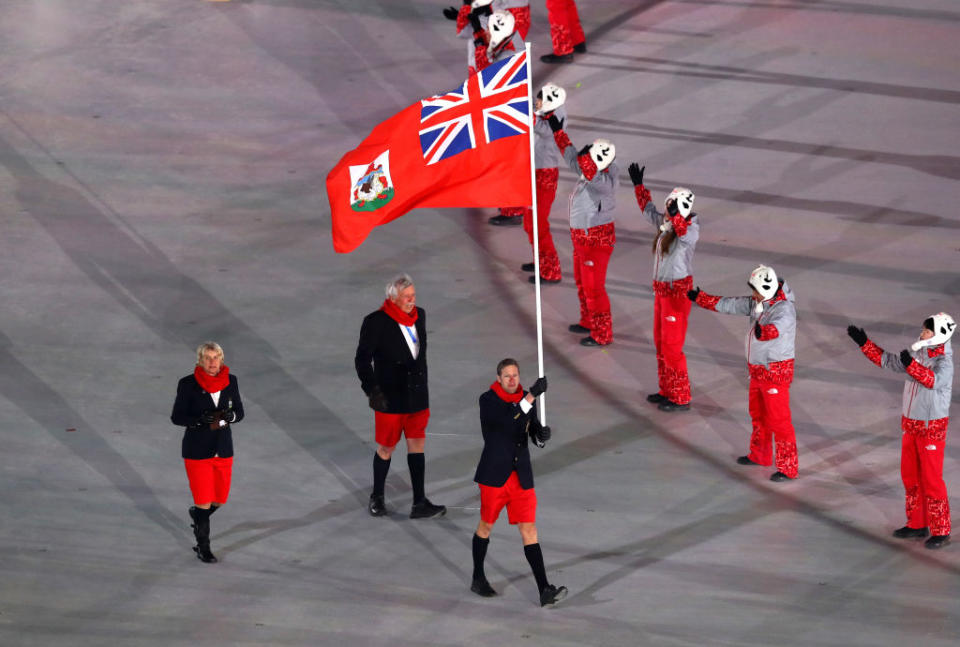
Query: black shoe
{"x": 745, "y": 460}
{"x": 937, "y": 541}
{"x": 533, "y": 279}
{"x": 580, "y": 48}
{"x": 577, "y": 328}
{"x": 670, "y": 405}
{"x": 590, "y": 341}
{"x": 910, "y": 533}
{"x": 376, "y": 506}
{"x": 424, "y": 510}
{"x": 778, "y": 476}
{"x": 482, "y": 588}
{"x": 506, "y": 221}
{"x": 557, "y": 58}
{"x": 204, "y": 554}
{"x": 656, "y": 398}
{"x": 552, "y": 594}
{"x": 528, "y": 267}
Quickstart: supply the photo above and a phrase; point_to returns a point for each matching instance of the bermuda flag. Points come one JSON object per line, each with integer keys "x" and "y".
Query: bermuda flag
{"x": 465, "y": 148}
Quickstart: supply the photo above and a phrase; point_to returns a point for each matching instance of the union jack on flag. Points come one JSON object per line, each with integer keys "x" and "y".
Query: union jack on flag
{"x": 494, "y": 101}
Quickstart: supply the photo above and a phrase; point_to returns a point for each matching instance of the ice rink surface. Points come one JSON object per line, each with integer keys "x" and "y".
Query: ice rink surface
{"x": 162, "y": 172}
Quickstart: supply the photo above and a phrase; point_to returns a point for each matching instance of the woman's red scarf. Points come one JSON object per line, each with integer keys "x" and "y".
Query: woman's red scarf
{"x": 399, "y": 315}
{"x": 507, "y": 397}
{"x": 213, "y": 383}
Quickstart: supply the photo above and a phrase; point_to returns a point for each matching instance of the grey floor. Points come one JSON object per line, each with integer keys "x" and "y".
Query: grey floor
{"x": 161, "y": 183}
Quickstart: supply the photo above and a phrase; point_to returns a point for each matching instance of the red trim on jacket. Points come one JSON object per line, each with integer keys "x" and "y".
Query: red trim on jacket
{"x": 679, "y": 224}
{"x": 643, "y": 195}
{"x": 768, "y": 332}
{"x": 562, "y": 139}
{"x": 678, "y": 288}
{"x": 776, "y": 373}
{"x": 707, "y": 301}
{"x": 921, "y": 374}
{"x": 935, "y": 430}
{"x": 587, "y": 166}
{"x": 463, "y": 17}
{"x": 873, "y": 352}
{"x": 936, "y": 351}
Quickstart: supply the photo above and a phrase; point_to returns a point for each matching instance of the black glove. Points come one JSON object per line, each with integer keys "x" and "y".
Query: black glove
{"x": 228, "y": 416}
{"x": 556, "y": 124}
{"x": 475, "y": 23}
{"x": 377, "y": 400}
{"x": 451, "y": 13}
{"x": 636, "y": 173}
{"x": 539, "y": 387}
{"x": 672, "y": 208}
{"x": 543, "y": 434}
{"x": 584, "y": 150}
{"x": 693, "y": 294}
{"x": 905, "y": 358}
{"x": 484, "y": 11}
{"x": 211, "y": 415}
{"x": 757, "y": 330}
{"x": 858, "y": 335}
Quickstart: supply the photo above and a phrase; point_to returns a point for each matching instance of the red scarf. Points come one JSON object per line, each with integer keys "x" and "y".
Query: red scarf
{"x": 399, "y": 315}
{"x": 507, "y": 397}
{"x": 212, "y": 383}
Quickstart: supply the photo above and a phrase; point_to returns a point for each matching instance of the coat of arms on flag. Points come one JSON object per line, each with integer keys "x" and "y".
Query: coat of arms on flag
{"x": 372, "y": 187}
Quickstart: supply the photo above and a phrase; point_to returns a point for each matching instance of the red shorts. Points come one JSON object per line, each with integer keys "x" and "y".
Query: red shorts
{"x": 209, "y": 479}
{"x": 389, "y": 426}
{"x": 521, "y": 504}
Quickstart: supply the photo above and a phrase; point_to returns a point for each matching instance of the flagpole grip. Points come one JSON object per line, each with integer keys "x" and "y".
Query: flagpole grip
{"x": 536, "y": 235}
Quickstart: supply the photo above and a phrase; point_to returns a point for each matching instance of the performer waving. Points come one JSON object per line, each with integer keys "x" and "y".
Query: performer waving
{"x": 591, "y": 205}
{"x": 770, "y": 353}
{"x": 505, "y": 476}
{"x": 926, "y": 410}
{"x": 677, "y": 233}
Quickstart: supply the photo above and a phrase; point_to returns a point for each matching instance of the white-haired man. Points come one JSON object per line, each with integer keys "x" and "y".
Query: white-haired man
{"x": 391, "y": 362}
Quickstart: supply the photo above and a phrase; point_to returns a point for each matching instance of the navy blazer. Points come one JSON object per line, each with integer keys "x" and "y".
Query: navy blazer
{"x": 383, "y": 359}
{"x": 506, "y": 431}
{"x": 199, "y": 441}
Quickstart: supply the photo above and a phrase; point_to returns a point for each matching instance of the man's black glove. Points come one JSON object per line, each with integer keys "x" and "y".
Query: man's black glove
{"x": 539, "y": 387}
{"x": 693, "y": 294}
{"x": 378, "y": 401}
{"x": 672, "y": 208}
{"x": 905, "y": 358}
{"x": 228, "y": 416}
{"x": 556, "y": 124}
{"x": 451, "y": 13}
{"x": 636, "y": 173}
{"x": 858, "y": 335}
{"x": 211, "y": 415}
{"x": 757, "y": 330}
{"x": 543, "y": 435}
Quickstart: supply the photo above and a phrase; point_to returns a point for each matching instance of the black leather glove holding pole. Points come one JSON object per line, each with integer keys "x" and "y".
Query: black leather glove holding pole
{"x": 539, "y": 387}
{"x": 636, "y": 173}
{"x": 858, "y": 335}
{"x": 544, "y": 434}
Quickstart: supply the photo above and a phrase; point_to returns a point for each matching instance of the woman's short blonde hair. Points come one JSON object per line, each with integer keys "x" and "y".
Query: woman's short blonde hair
{"x": 208, "y": 345}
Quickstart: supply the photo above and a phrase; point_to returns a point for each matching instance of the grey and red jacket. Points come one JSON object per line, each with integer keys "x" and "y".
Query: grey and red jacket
{"x": 929, "y": 384}
{"x": 545, "y": 152}
{"x": 478, "y": 56}
{"x": 677, "y": 263}
{"x": 594, "y": 195}
{"x": 769, "y": 358}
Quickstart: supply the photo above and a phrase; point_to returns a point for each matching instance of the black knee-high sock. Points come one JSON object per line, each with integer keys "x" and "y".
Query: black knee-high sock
{"x": 380, "y": 469}
{"x": 417, "y": 466}
{"x": 479, "y": 554}
{"x": 535, "y": 557}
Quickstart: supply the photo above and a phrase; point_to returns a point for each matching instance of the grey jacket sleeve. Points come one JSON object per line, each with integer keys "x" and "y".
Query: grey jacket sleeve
{"x": 735, "y": 306}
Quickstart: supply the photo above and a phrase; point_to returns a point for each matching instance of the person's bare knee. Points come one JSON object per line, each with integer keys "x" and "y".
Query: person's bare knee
{"x": 484, "y": 529}
{"x": 385, "y": 452}
{"x": 415, "y": 445}
{"x": 528, "y": 532}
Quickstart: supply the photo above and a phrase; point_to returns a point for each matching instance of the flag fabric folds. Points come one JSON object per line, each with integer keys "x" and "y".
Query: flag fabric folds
{"x": 465, "y": 148}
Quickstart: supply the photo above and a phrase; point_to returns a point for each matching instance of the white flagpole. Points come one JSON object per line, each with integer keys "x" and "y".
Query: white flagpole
{"x": 536, "y": 237}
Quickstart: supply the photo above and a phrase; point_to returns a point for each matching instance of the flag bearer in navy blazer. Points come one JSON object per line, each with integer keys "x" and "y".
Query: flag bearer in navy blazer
{"x": 391, "y": 362}
{"x": 208, "y": 402}
{"x": 505, "y": 476}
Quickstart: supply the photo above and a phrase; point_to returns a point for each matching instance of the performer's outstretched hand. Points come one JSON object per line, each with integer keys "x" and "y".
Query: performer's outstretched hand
{"x": 636, "y": 173}
{"x": 450, "y": 13}
{"x": 693, "y": 294}
{"x": 905, "y": 358}
{"x": 556, "y": 124}
{"x": 539, "y": 387}
{"x": 858, "y": 335}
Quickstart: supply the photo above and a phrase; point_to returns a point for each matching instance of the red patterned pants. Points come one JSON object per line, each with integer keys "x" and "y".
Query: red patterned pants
{"x": 770, "y": 415}
{"x": 565, "y": 29}
{"x": 670, "y": 316}
{"x": 921, "y": 468}
{"x": 591, "y": 255}
{"x": 546, "y": 192}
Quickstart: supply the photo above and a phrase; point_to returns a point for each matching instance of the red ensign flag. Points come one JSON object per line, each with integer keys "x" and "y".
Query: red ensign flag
{"x": 466, "y": 148}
